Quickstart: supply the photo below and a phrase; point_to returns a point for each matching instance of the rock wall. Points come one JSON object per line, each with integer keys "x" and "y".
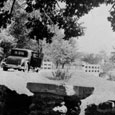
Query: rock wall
{"x": 105, "y": 108}
{"x": 62, "y": 90}
{"x": 12, "y": 103}
{"x": 51, "y": 100}
{"x": 44, "y": 103}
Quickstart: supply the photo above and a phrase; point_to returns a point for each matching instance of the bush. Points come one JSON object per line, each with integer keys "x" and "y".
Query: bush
{"x": 60, "y": 74}
{"x": 12, "y": 103}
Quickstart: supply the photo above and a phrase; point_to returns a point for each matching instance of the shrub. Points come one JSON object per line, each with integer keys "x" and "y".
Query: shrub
{"x": 62, "y": 74}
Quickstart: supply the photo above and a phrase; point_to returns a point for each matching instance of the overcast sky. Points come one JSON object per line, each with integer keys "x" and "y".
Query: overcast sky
{"x": 98, "y": 35}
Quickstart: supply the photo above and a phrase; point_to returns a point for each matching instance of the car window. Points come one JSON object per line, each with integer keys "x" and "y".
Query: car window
{"x": 20, "y": 53}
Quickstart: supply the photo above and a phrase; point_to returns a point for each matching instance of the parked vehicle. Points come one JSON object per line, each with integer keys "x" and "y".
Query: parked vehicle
{"x": 22, "y": 59}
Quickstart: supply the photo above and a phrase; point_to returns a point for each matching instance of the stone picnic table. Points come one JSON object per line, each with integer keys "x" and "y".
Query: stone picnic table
{"x": 48, "y": 96}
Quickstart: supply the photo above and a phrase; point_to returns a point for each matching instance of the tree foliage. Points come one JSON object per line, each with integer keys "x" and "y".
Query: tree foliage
{"x": 51, "y": 14}
{"x": 106, "y": 67}
{"x": 18, "y": 29}
{"x": 112, "y": 56}
{"x": 111, "y": 18}
{"x": 91, "y": 58}
{"x": 60, "y": 52}
{"x": 6, "y": 43}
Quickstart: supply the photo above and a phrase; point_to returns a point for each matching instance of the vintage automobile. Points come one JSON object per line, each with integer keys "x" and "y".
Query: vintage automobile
{"x": 22, "y": 59}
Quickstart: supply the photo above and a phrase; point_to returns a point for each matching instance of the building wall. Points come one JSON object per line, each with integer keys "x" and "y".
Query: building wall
{"x": 46, "y": 64}
{"x": 91, "y": 68}
{"x": 94, "y": 69}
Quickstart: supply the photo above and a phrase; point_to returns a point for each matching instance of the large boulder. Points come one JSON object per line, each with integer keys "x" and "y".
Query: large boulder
{"x": 49, "y": 97}
{"x": 105, "y": 108}
{"x": 11, "y": 103}
{"x": 62, "y": 90}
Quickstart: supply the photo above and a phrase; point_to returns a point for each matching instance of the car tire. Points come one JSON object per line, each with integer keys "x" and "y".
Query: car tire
{"x": 5, "y": 69}
{"x": 19, "y": 69}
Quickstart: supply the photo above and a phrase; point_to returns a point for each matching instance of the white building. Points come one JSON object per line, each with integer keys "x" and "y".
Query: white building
{"x": 46, "y": 64}
{"x": 94, "y": 69}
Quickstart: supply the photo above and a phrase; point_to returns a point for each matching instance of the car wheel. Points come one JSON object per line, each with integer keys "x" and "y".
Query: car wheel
{"x": 37, "y": 69}
{"x": 19, "y": 69}
{"x": 5, "y": 68}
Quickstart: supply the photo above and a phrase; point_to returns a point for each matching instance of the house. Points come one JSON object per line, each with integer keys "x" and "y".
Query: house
{"x": 94, "y": 69}
{"x": 47, "y": 64}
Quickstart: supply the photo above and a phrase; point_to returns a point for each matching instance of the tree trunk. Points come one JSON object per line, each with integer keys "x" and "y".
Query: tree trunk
{"x": 56, "y": 65}
{"x": 12, "y": 6}
{"x": 63, "y": 65}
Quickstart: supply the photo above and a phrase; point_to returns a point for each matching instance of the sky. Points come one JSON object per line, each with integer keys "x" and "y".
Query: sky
{"x": 98, "y": 34}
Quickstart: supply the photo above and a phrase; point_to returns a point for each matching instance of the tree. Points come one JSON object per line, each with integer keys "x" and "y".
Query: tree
{"x": 107, "y": 67}
{"x": 18, "y": 29}
{"x": 103, "y": 56}
{"x": 1, "y": 54}
{"x": 111, "y": 18}
{"x": 51, "y": 14}
{"x": 6, "y": 43}
{"x": 112, "y": 56}
{"x": 61, "y": 52}
{"x": 91, "y": 59}
{"x": 66, "y": 18}
{"x": 33, "y": 45}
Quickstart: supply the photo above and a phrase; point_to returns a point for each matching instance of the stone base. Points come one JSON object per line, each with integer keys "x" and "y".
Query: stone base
{"x": 43, "y": 104}
{"x": 62, "y": 90}
{"x": 50, "y": 96}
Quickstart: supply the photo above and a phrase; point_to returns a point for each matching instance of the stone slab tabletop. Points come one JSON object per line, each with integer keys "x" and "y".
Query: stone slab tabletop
{"x": 62, "y": 90}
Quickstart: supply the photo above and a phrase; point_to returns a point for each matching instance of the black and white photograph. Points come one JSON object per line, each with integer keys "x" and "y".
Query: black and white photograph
{"x": 57, "y": 57}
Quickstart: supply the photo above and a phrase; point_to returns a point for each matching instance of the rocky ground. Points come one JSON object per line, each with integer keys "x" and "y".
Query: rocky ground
{"x": 11, "y": 103}
{"x": 104, "y": 89}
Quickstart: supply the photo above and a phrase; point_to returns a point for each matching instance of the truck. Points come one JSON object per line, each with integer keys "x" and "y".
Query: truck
{"x": 22, "y": 59}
